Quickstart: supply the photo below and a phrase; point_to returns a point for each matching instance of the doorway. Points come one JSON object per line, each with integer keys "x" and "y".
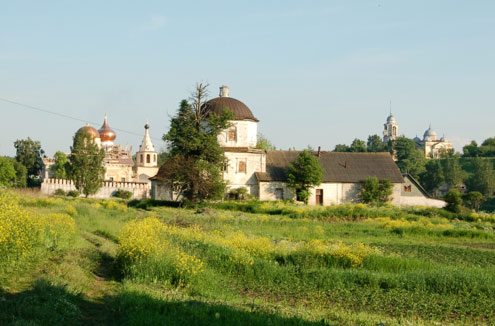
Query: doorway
{"x": 319, "y": 196}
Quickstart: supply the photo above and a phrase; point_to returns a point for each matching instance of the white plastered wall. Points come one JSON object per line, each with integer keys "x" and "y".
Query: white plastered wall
{"x": 246, "y": 134}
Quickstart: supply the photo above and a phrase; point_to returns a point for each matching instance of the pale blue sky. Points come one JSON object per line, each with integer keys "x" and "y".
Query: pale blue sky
{"x": 313, "y": 72}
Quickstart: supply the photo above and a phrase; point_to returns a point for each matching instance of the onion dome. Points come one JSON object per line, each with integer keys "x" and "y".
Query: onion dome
{"x": 430, "y": 134}
{"x": 217, "y": 105}
{"x": 417, "y": 139}
{"x": 90, "y": 130}
{"x": 106, "y": 133}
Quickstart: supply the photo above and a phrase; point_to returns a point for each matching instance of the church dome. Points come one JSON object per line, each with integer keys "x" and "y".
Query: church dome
{"x": 430, "y": 134}
{"x": 90, "y": 130}
{"x": 218, "y": 104}
{"x": 417, "y": 139}
{"x": 106, "y": 133}
{"x": 390, "y": 119}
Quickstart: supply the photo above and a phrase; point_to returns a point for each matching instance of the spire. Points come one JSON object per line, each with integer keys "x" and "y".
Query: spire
{"x": 390, "y": 107}
{"x": 146, "y": 144}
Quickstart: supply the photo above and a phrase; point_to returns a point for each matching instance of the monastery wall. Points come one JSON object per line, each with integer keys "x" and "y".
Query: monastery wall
{"x": 140, "y": 190}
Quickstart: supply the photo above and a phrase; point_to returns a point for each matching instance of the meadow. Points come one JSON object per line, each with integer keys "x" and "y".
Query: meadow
{"x": 100, "y": 262}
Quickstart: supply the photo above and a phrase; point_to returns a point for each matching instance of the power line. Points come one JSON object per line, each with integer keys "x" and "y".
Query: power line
{"x": 69, "y": 117}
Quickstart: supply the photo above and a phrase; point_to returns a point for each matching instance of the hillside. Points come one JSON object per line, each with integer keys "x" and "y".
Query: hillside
{"x": 285, "y": 265}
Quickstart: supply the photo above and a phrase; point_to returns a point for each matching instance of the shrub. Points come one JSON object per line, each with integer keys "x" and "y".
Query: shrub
{"x": 238, "y": 194}
{"x": 73, "y": 193}
{"x": 454, "y": 201}
{"x": 59, "y": 192}
{"x": 123, "y": 194}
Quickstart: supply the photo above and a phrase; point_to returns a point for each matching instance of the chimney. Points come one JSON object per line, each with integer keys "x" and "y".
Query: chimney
{"x": 345, "y": 166}
{"x": 224, "y": 91}
{"x": 319, "y": 151}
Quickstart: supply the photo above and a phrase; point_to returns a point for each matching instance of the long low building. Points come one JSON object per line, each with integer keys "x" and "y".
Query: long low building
{"x": 263, "y": 173}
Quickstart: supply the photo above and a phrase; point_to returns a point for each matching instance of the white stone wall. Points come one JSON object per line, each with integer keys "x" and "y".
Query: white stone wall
{"x": 267, "y": 190}
{"x": 421, "y": 201}
{"x": 254, "y": 162}
{"x": 139, "y": 190}
{"x": 246, "y": 134}
{"x": 144, "y": 173}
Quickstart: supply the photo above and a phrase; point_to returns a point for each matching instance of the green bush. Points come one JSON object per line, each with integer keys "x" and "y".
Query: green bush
{"x": 454, "y": 201}
{"x": 59, "y": 192}
{"x": 73, "y": 193}
{"x": 123, "y": 194}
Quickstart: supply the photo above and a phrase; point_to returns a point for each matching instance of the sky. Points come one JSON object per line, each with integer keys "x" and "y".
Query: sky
{"x": 315, "y": 73}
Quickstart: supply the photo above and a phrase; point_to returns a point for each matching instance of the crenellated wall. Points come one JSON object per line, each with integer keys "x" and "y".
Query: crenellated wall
{"x": 140, "y": 190}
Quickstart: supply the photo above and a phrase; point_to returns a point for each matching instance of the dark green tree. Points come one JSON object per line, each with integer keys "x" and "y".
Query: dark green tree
{"x": 433, "y": 175}
{"x": 304, "y": 173}
{"x": 7, "y": 172}
{"x": 483, "y": 177}
{"x": 358, "y": 145}
{"x": 409, "y": 159}
{"x": 195, "y": 156}
{"x": 452, "y": 172}
{"x": 474, "y": 199}
{"x": 264, "y": 143}
{"x": 375, "y": 144}
{"x": 29, "y": 153}
{"x": 471, "y": 150}
{"x": 85, "y": 166}
{"x": 60, "y": 165}
{"x": 341, "y": 148}
{"x": 454, "y": 201}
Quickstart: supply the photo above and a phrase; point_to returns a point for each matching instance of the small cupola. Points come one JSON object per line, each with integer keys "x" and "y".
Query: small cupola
{"x": 224, "y": 91}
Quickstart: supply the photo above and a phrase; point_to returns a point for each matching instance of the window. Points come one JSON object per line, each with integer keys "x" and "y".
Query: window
{"x": 279, "y": 194}
{"x": 242, "y": 167}
{"x": 148, "y": 158}
{"x": 142, "y": 160}
{"x": 232, "y": 135}
{"x": 407, "y": 188}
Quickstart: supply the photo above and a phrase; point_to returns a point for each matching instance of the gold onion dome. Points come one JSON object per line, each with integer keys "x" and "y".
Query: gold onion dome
{"x": 106, "y": 133}
{"x": 90, "y": 130}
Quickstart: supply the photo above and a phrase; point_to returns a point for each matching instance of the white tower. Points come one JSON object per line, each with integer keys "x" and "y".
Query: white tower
{"x": 146, "y": 158}
{"x": 391, "y": 128}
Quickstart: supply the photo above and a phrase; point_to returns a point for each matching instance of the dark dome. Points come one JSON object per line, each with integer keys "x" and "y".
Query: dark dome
{"x": 90, "y": 130}
{"x": 240, "y": 110}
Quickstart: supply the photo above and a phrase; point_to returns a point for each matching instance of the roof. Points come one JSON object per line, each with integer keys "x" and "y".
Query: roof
{"x": 240, "y": 110}
{"x": 417, "y": 184}
{"x": 337, "y": 166}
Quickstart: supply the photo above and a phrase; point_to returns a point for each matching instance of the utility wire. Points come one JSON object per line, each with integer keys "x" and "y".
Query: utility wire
{"x": 70, "y": 117}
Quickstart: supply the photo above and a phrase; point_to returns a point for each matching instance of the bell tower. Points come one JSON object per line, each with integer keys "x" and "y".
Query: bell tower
{"x": 146, "y": 158}
{"x": 391, "y": 128}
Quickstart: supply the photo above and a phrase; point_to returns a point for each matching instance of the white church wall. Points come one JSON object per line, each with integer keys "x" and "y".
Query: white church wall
{"x": 235, "y": 178}
{"x": 246, "y": 133}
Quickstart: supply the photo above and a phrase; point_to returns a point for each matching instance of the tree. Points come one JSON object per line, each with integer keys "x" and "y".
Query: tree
{"x": 358, "y": 145}
{"x": 409, "y": 159}
{"x": 264, "y": 143}
{"x": 374, "y": 191}
{"x": 452, "y": 172}
{"x": 483, "y": 177}
{"x": 433, "y": 176}
{"x": 474, "y": 199}
{"x": 85, "y": 166}
{"x": 29, "y": 153}
{"x": 454, "y": 201}
{"x": 471, "y": 150}
{"x": 341, "y": 148}
{"x": 304, "y": 173}
{"x": 195, "y": 156}
{"x": 375, "y": 144}
{"x": 60, "y": 165}
{"x": 7, "y": 172}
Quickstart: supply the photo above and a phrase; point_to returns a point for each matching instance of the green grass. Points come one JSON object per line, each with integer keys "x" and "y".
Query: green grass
{"x": 418, "y": 276}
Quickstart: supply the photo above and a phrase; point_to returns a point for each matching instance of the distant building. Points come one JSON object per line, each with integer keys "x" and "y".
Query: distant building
{"x": 121, "y": 172}
{"x": 391, "y": 129}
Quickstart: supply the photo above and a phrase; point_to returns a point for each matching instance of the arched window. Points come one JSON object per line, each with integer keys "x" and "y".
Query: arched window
{"x": 232, "y": 135}
{"x": 395, "y": 131}
{"x": 148, "y": 158}
{"x": 142, "y": 160}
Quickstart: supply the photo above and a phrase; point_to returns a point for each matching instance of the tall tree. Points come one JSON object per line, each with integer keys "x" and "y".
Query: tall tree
{"x": 453, "y": 174}
{"x": 375, "y": 144}
{"x": 483, "y": 178}
{"x": 304, "y": 173}
{"x": 471, "y": 150}
{"x": 7, "y": 172}
{"x": 60, "y": 165}
{"x": 85, "y": 166}
{"x": 194, "y": 150}
{"x": 409, "y": 159}
{"x": 264, "y": 143}
{"x": 341, "y": 148}
{"x": 358, "y": 145}
{"x": 29, "y": 153}
{"x": 433, "y": 175}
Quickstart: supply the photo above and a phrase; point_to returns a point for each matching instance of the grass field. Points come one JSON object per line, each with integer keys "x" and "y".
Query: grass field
{"x": 281, "y": 265}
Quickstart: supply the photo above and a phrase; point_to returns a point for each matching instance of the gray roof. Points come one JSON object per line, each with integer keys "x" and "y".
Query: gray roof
{"x": 337, "y": 166}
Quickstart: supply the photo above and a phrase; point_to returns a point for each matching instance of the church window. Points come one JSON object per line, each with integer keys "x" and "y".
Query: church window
{"x": 142, "y": 160}
{"x": 148, "y": 158}
{"x": 232, "y": 135}
{"x": 395, "y": 130}
{"x": 242, "y": 167}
